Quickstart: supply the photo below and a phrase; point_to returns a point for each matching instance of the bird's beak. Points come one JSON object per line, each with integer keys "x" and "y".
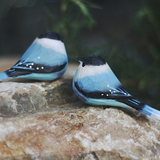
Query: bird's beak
{"x": 80, "y": 59}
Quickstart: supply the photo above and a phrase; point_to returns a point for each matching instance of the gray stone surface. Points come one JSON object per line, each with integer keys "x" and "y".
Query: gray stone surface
{"x": 45, "y": 120}
{"x": 19, "y": 98}
{"x": 25, "y": 96}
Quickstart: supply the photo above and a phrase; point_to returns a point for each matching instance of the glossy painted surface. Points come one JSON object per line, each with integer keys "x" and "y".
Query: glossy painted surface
{"x": 44, "y": 60}
{"x": 41, "y": 56}
{"x": 98, "y": 85}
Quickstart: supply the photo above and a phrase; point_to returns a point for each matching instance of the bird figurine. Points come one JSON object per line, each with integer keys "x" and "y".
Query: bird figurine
{"x": 96, "y": 84}
{"x": 45, "y": 60}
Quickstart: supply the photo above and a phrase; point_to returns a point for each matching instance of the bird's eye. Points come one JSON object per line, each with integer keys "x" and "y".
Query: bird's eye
{"x": 83, "y": 64}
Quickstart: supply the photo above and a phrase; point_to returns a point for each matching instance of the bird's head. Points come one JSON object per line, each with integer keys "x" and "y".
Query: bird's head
{"x": 91, "y": 65}
{"x": 51, "y": 35}
{"x": 92, "y": 60}
{"x": 51, "y": 40}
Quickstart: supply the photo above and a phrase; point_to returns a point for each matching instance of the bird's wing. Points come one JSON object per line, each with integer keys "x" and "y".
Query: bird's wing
{"x": 38, "y": 59}
{"x": 131, "y": 101}
{"x": 20, "y": 69}
{"x": 29, "y": 62}
{"x": 30, "y": 67}
{"x": 101, "y": 86}
{"x": 120, "y": 95}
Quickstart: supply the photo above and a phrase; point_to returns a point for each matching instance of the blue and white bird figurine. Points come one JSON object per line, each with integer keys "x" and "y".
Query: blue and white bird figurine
{"x": 96, "y": 84}
{"x": 45, "y": 60}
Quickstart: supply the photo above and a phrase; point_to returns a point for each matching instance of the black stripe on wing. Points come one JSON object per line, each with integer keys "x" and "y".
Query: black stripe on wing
{"x": 119, "y": 92}
{"x": 24, "y": 69}
{"x": 122, "y": 96}
{"x": 132, "y": 102}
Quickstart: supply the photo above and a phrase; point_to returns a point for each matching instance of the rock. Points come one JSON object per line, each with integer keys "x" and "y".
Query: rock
{"x": 19, "y": 98}
{"x": 86, "y": 133}
{"x": 24, "y": 96}
{"x": 45, "y": 120}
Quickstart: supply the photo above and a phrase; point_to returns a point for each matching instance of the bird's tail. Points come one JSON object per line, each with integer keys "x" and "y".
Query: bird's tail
{"x": 150, "y": 111}
{"x": 3, "y": 76}
{"x": 138, "y": 105}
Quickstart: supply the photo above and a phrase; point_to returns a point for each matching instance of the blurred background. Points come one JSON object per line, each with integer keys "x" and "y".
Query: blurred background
{"x": 125, "y": 33}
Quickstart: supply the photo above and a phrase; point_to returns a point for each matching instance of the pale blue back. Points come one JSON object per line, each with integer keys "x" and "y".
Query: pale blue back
{"x": 100, "y": 82}
{"x": 39, "y": 54}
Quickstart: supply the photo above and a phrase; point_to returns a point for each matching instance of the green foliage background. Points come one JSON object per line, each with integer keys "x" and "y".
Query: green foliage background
{"x": 133, "y": 53}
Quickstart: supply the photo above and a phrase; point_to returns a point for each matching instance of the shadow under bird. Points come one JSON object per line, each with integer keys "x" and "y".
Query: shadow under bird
{"x": 96, "y": 84}
{"x": 45, "y": 60}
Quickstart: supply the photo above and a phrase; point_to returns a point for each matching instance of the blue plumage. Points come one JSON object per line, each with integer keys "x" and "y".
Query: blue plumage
{"x": 96, "y": 84}
{"x": 45, "y": 60}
